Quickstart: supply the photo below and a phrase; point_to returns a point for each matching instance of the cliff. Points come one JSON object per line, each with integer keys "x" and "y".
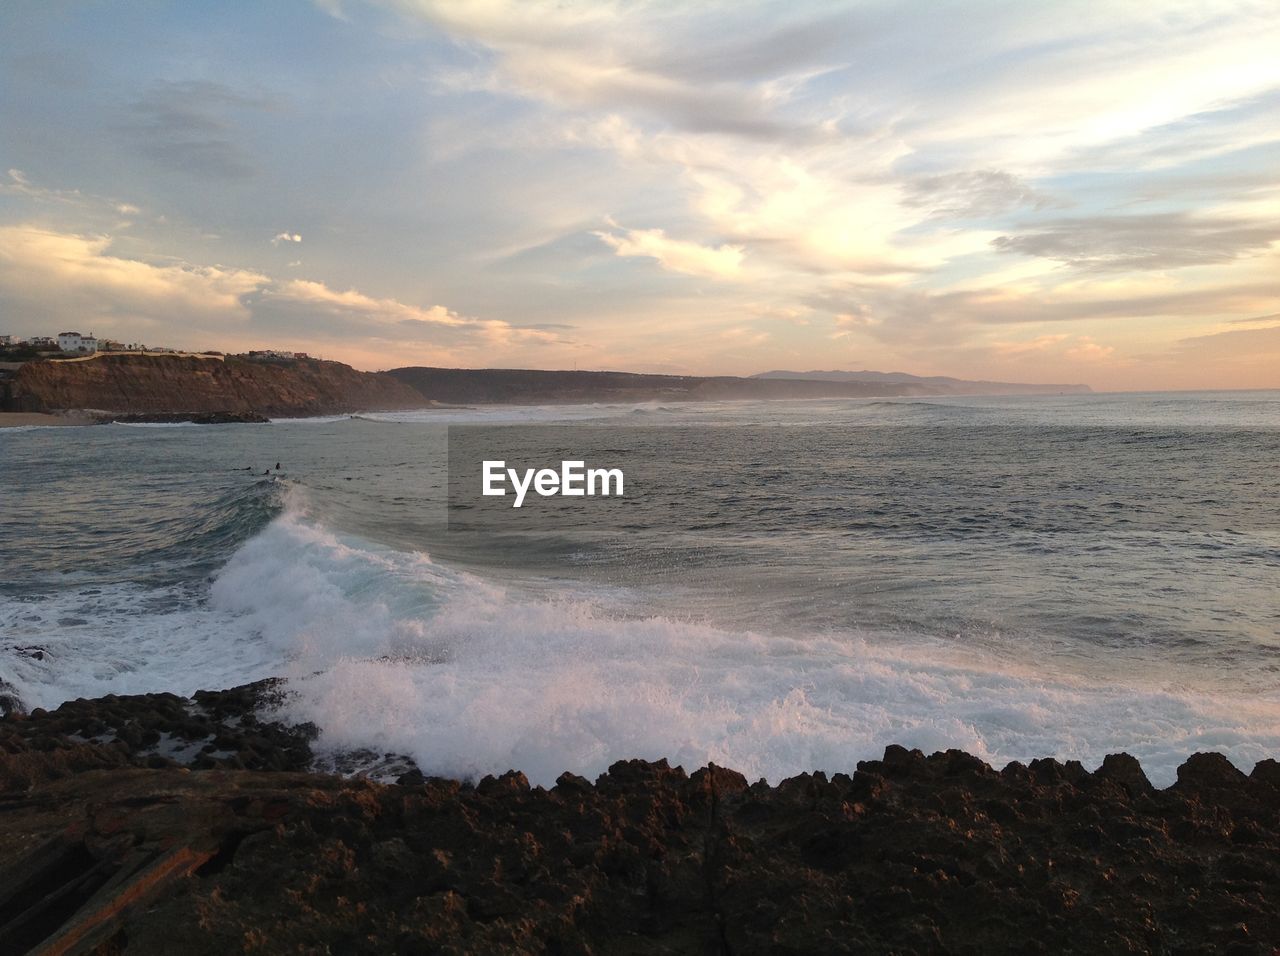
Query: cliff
{"x": 189, "y": 384}
{"x": 110, "y": 846}
{"x": 524, "y": 386}
{"x": 139, "y": 384}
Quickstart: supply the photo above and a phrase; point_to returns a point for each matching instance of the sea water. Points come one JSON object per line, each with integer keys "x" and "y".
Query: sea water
{"x": 1016, "y": 576}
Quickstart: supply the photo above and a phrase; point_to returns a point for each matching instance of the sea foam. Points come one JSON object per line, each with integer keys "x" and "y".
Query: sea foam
{"x": 387, "y": 651}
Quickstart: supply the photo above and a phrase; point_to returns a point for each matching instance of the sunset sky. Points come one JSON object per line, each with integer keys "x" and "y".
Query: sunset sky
{"x": 1026, "y": 191}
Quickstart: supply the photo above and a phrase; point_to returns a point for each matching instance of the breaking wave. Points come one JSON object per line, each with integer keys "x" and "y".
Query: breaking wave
{"x": 388, "y": 651}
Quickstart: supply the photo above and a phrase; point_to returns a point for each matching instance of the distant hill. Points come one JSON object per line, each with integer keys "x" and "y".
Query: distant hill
{"x": 194, "y": 384}
{"x": 929, "y": 385}
{"x": 523, "y": 386}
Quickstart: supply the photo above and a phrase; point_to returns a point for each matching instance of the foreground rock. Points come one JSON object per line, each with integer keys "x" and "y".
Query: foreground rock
{"x": 909, "y": 854}
{"x": 224, "y": 729}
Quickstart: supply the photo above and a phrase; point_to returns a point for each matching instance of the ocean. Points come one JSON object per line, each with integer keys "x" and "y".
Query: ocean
{"x": 1018, "y": 577}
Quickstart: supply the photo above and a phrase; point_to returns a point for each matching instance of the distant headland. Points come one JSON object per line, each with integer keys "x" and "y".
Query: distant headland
{"x": 83, "y": 380}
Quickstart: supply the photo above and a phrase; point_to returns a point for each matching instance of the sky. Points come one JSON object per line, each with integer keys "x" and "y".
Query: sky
{"x": 1059, "y": 191}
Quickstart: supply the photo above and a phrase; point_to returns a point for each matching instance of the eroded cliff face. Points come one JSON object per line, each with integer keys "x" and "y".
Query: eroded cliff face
{"x": 177, "y": 383}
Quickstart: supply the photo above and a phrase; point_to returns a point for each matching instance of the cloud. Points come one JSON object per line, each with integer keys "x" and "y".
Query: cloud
{"x": 924, "y": 180}
{"x": 873, "y": 172}
{"x": 959, "y": 319}
{"x": 1253, "y": 320}
{"x": 973, "y": 194}
{"x": 1076, "y": 348}
{"x": 1260, "y": 343}
{"x": 188, "y": 126}
{"x": 75, "y": 278}
{"x": 1087, "y": 350}
{"x": 358, "y": 307}
{"x": 1246, "y": 358}
{"x": 1144, "y": 242}
{"x": 744, "y": 336}
{"x": 1224, "y": 127}
{"x": 52, "y": 278}
{"x": 781, "y": 313}
{"x": 614, "y": 58}
{"x": 857, "y": 317}
{"x": 69, "y": 200}
{"x": 676, "y": 255}
{"x": 1042, "y": 343}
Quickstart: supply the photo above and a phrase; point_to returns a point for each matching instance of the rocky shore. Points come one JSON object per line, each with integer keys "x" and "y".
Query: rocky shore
{"x": 158, "y": 824}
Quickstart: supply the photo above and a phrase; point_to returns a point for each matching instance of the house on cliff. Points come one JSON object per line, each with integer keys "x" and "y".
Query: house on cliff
{"x": 75, "y": 342}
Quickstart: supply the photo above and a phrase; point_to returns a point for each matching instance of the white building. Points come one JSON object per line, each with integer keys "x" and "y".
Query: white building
{"x": 75, "y": 342}
{"x": 7, "y": 340}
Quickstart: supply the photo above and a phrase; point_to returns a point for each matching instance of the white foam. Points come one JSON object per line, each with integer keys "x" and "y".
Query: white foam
{"x": 545, "y": 687}
{"x": 387, "y": 651}
{"x": 155, "y": 424}
{"x": 313, "y": 420}
{"x": 123, "y": 639}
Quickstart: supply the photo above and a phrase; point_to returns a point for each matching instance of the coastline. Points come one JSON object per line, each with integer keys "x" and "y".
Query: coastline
{"x": 906, "y": 854}
{"x": 48, "y": 419}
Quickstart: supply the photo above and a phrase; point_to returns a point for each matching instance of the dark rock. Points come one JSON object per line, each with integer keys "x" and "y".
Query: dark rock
{"x": 901, "y": 762}
{"x": 572, "y": 783}
{"x": 1126, "y": 771}
{"x": 909, "y": 855}
{"x": 1208, "y": 771}
{"x": 1266, "y": 772}
{"x": 412, "y": 778}
{"x": 513, "y": 781}
{"x": 195, "y": 418}
{"x": 135, "y": 726}
{"x": 718, "y": 780}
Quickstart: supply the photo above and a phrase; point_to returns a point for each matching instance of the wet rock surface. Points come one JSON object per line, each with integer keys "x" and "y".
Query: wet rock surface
{"x": 908, "y": 854}
{"x": 227, "y": 729}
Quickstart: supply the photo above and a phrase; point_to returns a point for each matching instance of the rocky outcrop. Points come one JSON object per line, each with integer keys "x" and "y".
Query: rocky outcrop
{"x": 145, "y": 384}
{"x": 907, "y": 854}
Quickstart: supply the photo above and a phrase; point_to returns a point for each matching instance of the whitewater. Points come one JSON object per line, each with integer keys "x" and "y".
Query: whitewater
{"x": 1078, "y": 577}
